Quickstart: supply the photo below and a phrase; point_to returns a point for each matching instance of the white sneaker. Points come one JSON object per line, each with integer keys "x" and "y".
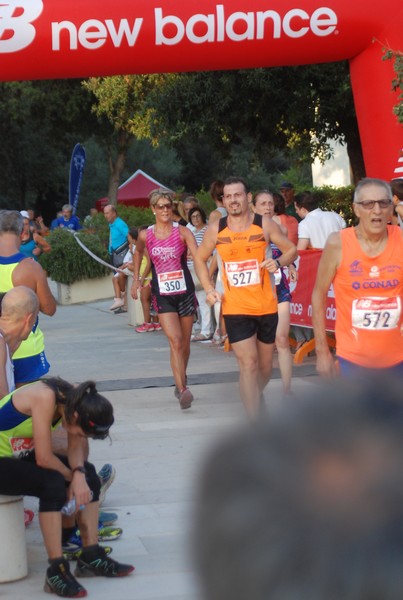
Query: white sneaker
{"x": 118, "y": 302}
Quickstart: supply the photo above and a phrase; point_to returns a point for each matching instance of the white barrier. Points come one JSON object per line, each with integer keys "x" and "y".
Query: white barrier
{"x": 13, "y": 550}
{"x": 134, "y": 309}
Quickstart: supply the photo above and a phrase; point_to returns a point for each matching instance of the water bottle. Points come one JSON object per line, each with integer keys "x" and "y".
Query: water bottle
{"x": 70, "y": 507}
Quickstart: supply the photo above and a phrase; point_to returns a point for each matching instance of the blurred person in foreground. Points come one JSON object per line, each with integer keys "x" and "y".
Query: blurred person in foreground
{"x": 309, "y": 505}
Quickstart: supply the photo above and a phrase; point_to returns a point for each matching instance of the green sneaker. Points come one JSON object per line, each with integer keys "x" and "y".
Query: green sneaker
{"x": 98, "y": 564}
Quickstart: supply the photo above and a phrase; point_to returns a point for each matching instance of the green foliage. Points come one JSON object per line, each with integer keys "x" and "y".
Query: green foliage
{"x": 397, "y": 83}
{"x": 68, "y": 262}
{"x": 337, "y": 199}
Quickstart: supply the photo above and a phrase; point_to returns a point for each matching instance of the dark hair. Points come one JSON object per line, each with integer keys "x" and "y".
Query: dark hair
{"x": 94, "y": 412}
{"x": 279, "y": 204}
{"x": 233, "y": 179}
{"x": 200, "y": 210}
{"x": 397, "y": 188}
{"x": 216, "y": 189}
{"x": 134, "y": 232}
{"x": 306, "y": 200}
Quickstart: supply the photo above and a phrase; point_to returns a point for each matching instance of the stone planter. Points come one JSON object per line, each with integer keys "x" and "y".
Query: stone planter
{"x": 87, "y": 290}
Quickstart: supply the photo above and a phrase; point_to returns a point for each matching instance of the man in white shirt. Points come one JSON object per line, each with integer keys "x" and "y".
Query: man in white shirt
{"x": 316, "y": 224}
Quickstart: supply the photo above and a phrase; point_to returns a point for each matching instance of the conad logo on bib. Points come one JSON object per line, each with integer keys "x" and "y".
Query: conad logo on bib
{"x": 16, "y": 29}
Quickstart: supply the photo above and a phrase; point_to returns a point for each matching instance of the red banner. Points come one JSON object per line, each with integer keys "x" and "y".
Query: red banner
{"x": 301, "y": 306}
{"x": 51, "y": 39}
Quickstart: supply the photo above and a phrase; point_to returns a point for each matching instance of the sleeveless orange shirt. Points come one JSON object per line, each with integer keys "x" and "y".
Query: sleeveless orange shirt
{"x": 369, "y": 293}
{"x": 248, "y": 289}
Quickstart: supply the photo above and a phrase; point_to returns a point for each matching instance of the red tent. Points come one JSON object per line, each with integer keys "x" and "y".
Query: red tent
{"x": 134, "y": 191}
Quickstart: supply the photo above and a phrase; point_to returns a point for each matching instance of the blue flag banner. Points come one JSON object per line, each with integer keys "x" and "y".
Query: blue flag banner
{"x": 77, "y": 165}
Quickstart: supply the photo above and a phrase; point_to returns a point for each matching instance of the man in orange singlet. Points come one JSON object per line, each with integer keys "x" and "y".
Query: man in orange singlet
{"x": 249, "y": 302}
{"x": 365, "y": 264}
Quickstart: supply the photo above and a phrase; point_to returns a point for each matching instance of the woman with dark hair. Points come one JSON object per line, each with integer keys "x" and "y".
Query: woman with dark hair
{"x": 28, "y": 467}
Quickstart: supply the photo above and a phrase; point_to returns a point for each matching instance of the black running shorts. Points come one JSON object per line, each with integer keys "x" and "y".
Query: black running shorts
{"x": 242, "y": 327}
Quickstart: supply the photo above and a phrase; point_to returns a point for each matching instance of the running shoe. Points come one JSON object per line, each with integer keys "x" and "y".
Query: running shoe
{"x": 61, "y": 582}
{"x": 106, "y": 475}
{"x": 100, "y": 565}
{"x": 185, "y": 398}
{"x": 28, "y": 516}
{"x": 157, "y": 327}
{"x": 107, "y": 518}
{"x": 105, "y": 534}
{"x": 145, "y": 328}
{"x": 73, "y": 552}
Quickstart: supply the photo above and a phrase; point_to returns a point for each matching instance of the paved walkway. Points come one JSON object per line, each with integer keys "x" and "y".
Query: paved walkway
{"x": 156, "y": 448}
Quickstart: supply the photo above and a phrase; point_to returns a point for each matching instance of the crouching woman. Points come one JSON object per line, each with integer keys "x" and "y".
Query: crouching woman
{"x": 29, "y": 467}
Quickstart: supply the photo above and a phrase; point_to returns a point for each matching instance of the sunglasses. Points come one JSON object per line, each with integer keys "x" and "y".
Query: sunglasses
{"x": 163, "y": 206}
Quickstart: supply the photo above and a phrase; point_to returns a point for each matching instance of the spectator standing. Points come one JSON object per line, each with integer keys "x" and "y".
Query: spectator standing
{"x": 397, "y": 191}
{"x": 316, "y": 224}
{"x": 365, "y": 265}
{"x": 118, "y": 244}
{"x": 217, "y": 194}
{"x": 198, "y": 219}
{"x": 189, "y": 203}
{"x": 287, "y": 221}
{"x": 315, "y": 227}
{"x": 67, "y": 220}
{"x": 288, "y": 192}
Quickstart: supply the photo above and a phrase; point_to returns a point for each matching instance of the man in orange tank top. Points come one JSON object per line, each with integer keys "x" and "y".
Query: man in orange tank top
{"x": 365, "y": 264}
{"x": 249, "y": 302}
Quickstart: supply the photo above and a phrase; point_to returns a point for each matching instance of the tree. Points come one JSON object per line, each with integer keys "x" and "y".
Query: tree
{"x": 124, "y": 112}
{"x": 279, "y": 110}
{"x": 41, "y": 121}
{"x": 397, "y": 84}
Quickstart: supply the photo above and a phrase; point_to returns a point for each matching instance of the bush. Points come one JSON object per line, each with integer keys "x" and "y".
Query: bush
{"x": 68, "y": 262}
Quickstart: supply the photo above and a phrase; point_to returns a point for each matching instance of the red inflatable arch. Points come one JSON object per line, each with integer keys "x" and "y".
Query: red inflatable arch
{"x": 45, "y": 39}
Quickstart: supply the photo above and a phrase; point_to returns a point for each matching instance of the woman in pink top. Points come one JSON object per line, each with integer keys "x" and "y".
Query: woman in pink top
{"x": 172, "y": 291}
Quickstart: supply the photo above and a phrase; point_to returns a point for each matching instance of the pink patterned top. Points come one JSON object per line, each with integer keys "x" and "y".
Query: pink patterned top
{"x": 168, "y": 263}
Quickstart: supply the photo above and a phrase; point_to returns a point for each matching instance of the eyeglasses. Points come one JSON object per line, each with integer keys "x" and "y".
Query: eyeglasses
{"x": 163, "y": 206}
{"x": 369, "y": 204}
{"x": 196, "y": 216}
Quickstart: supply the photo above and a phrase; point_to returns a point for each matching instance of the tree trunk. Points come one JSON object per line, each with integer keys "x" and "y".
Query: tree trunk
{"x": 116, "y": 165}
{"x": 354, "y": 150}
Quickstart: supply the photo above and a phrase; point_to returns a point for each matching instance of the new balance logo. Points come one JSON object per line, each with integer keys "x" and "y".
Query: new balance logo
{"x": 16, "y": 29}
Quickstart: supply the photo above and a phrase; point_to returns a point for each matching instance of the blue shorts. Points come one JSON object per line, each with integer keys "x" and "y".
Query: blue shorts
{"x": 350, "y": 370}
{"x": 30, "y": 368}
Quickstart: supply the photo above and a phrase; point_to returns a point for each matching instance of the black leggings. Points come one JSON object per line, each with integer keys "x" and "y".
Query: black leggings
{"x": 23, "y": 477}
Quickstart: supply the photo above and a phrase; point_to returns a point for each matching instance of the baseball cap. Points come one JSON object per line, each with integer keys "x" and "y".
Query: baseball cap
{"x": 24, "y": 214}
{"x": 286, "y": 185}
